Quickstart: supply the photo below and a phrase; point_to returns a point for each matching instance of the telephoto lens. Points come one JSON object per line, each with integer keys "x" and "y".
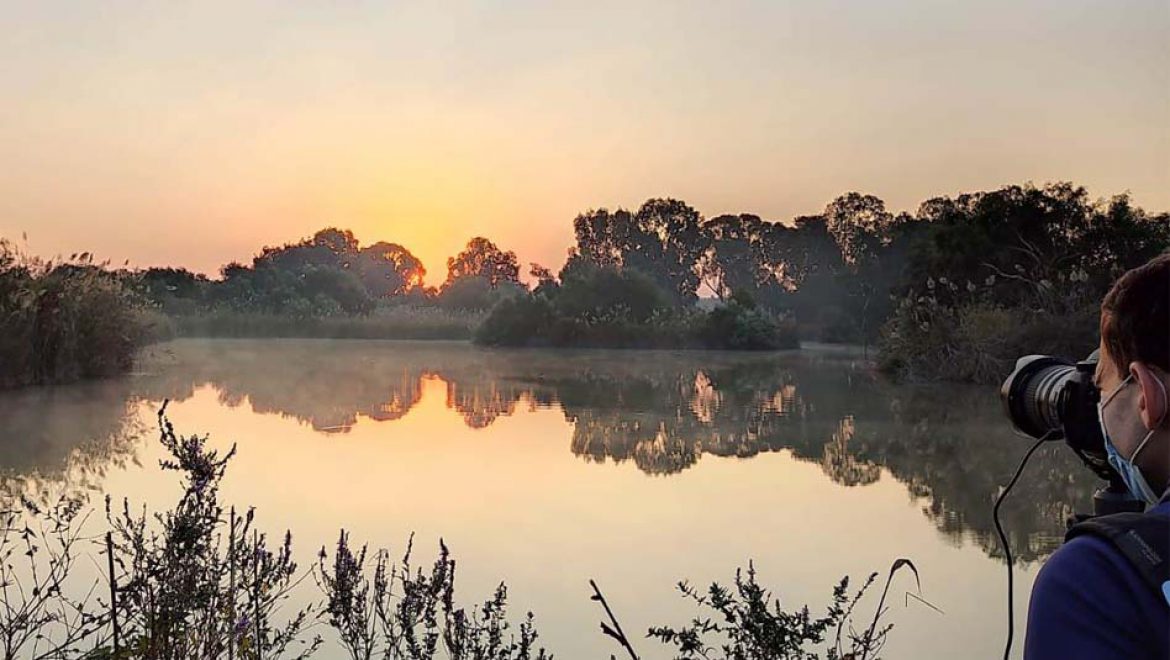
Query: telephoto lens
{"x": 1032, "y": 394}
{"x": 1047, "y": 395}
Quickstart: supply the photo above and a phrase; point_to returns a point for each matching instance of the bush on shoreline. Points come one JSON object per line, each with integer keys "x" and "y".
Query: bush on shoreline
{"x": 607, "y": 307}
{"x": 979, "y": 341}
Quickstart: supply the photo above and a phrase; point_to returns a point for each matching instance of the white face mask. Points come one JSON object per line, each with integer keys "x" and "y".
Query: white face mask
{"x": 1130, "y": 473}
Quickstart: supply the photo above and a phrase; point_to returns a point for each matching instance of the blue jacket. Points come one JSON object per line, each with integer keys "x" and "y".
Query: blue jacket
{"x": 1090, "y": 602}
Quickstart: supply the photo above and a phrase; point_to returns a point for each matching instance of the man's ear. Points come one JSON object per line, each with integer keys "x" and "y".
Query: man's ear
{"x": 1153, "y": 405}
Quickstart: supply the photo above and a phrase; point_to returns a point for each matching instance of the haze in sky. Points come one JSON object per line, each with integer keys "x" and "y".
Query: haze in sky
{"x": 193, "y": 135}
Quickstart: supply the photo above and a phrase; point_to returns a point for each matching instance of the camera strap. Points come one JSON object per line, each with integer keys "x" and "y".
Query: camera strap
{"x": 1143, "y": 539}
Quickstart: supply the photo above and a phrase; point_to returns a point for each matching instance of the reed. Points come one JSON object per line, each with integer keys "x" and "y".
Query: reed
{"x": 65, "y": 321}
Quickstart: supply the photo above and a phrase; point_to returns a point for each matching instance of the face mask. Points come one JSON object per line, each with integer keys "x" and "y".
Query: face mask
{"x": 1130, "y": 474}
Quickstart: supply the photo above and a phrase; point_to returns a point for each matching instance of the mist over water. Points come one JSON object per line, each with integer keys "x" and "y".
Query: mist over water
{"x": 547, "y": 468}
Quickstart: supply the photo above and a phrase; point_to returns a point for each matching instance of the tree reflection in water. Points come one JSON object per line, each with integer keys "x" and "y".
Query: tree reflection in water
{"x": 663, "y": 411}
{"x": 57, "y": 439}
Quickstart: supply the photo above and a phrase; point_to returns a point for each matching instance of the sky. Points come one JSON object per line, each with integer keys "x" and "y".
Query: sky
{"x": 192, "y": 134}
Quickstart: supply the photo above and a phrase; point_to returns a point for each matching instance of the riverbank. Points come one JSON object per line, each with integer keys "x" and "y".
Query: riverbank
{"x": 415, "y": 323}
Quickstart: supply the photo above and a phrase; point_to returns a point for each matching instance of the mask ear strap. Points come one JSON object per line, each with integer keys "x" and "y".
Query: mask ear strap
{"x": 1165, "y": 402}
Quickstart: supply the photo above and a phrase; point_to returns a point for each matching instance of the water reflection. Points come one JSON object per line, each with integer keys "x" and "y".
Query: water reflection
{"x": 662, "y": 411}
{"x": 65, "y": 435}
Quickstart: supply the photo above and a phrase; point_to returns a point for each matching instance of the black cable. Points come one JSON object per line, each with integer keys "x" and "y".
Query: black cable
{"x": 1007, "y": 551}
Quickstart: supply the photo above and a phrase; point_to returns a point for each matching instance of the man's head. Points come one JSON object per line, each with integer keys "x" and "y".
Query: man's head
{"x": 1134, "y": 367}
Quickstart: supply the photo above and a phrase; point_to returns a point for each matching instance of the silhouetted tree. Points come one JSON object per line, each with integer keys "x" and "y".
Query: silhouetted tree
{"x": 481, "y": 258}
{"x": 733, "y": 259}
{"x": 388, "y": 269}
{"x": 859, "y": 223}
{"x": 338, "y": 241}
{"x": 664, "y": 240}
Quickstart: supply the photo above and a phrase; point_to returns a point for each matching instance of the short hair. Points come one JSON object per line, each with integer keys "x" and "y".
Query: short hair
{"x": 1135, "y": 316}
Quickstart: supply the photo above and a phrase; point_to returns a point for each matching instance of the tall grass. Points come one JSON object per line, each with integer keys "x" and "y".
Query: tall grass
{"x": 65, "y": 321}
{"x": 399, "y": 322}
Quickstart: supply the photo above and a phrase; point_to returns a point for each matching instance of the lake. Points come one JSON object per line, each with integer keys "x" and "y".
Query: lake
{"x": 546, "y": 469}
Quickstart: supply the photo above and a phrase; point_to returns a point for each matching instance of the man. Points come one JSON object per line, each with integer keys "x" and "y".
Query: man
{"x": 1089, "y": 600}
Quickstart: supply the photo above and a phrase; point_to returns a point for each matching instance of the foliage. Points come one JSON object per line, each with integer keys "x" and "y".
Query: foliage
{"x": 935, "y": 289}
{"x": 978, "y": 341}
{"x": 741, "y": 325}
{"x": 327, "y": 274}
{"x": 65, "y": 321}
{"x": 592, "y": 305}
{"x": 663, "y": 240}
{"x": 38, "y": 551}
{"x": 482, "y": 259}
{"x": 748, "y": 623}
{"x": 598, "y": 305}
{"x": 475, "y": 293}
{"x": 402, "y": 612}
{"x": 995, "y": 275}
{"x": 388, "y": 270}
{"x": 199, "y": 582}
{"x": 517, "y": 321}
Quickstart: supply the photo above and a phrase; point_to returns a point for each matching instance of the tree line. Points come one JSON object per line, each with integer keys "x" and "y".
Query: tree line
{"x": 330, "y": 273}
{"x": 956, "y": 289}
{"x": 856, "y": 272}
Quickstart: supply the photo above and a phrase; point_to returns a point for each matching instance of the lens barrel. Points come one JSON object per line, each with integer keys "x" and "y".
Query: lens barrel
{"x": 1035, "y": 395}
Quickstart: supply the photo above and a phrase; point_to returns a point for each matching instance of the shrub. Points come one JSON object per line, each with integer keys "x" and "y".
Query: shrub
{"x": 740, "y": 325}
{"x": 474, "y": 293}
{"x": 979, "y": 341}
{"x": 518, "y": 321}
{"x": 593, "y": 292}
{"x": 596, "y": 306}
{"x": 749, "y": 622}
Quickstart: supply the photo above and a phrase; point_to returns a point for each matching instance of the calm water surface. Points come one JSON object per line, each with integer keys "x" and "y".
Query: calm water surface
{"x": 548, "y": 468}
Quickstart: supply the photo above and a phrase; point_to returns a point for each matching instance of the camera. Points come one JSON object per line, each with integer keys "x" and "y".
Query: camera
{"x": 1050, "y": 395}
{"x": 1055, "y": 398}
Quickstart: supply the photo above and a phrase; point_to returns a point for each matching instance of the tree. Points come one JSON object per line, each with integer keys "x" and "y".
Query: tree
{"x": 340, "y": 242}
{"x": 589, "y": 291}
{"x": 859, "y": 223}
{"x": 540, "y": 273}
{"x": 161, "y": 283}
{"x": 673, "y": 247}
{"x": 664, "y": 240}
{"x": 604, "y": 238}
{"x": 328, "y": 286}
{"x": 1026, "y": 241}
{"x": 546, "y": 280}
{"x": 746, "y": 253}
{"x": 481, "y": 258}
{"x": 815, "y": 267}
{"x": 388, "y": 269}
